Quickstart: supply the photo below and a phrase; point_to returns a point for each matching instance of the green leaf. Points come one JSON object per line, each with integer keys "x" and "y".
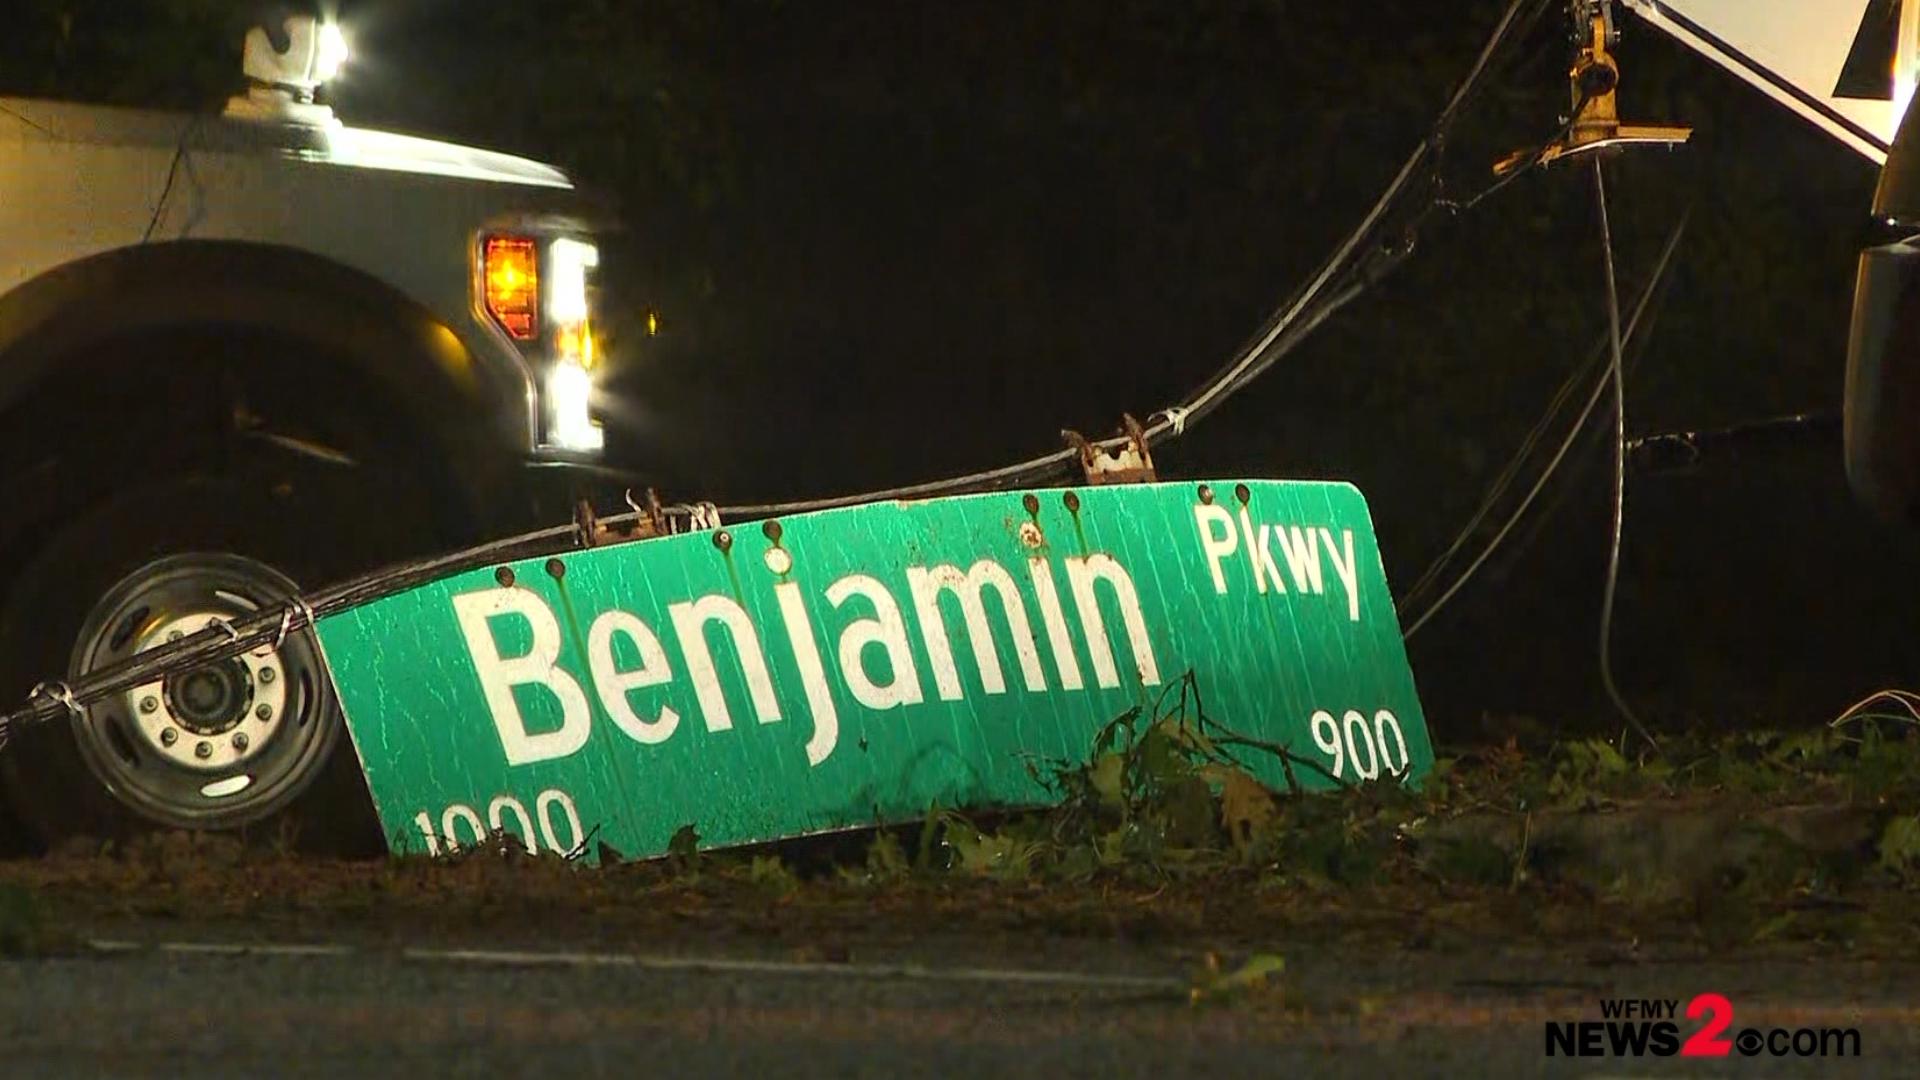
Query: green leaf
{"x": 998, "y": 855}
{"x": 771, "y": 873}
{"x": 685, "y": 842}
{"x": 1246, "y": 806}
{"x": 1188, "y": 816}
{"x": 1214, "y": 984}
{"x": 683, "y": 850}
{"x": 886, "y": 859}
{"x": 1107, "y": 775}
{"x": 1160, "y": 759}
{"x": 1900, "y": 847}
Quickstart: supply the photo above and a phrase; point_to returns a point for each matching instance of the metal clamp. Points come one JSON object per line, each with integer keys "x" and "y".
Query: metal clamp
{"x": 653, "y": 513}
{"x": 586, "y": 524}
{"x": 294, "y": 604}
{"x": 1131, "y": 464}
{"x": 648, "y": 521}
{"x": 59, "y": 692}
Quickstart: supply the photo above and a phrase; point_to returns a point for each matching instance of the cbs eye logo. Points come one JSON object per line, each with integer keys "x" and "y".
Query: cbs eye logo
{"x": 1799, "y": 1042}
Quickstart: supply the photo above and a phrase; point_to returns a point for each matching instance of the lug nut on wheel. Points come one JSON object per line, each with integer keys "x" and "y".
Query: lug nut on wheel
{"x": 221, "y": 741}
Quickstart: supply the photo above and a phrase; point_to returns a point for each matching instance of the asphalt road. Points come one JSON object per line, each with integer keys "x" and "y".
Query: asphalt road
{"x": 151, "y": 1004}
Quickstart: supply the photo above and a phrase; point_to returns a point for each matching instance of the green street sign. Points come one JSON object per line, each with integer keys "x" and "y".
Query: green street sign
{"x": 855, "y": 666}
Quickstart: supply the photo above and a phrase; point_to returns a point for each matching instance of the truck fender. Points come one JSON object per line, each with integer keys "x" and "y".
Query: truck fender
{"x": 463, "y": 410}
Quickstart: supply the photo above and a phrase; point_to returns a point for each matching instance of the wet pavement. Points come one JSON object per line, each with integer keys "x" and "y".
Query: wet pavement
{"x": 154, "y": 1001}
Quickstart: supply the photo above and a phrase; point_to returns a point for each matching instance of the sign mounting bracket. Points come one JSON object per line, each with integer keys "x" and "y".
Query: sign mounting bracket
{"x": 1132, "y": 463}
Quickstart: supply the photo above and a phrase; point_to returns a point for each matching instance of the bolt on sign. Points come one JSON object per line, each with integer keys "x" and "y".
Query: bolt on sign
{"x": 855, "y": 666}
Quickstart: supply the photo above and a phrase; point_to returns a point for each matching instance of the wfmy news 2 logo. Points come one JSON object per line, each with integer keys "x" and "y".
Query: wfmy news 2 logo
{"x": 1702, "y": 1027}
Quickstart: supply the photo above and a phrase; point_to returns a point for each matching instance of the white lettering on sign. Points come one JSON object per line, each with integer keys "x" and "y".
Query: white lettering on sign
{"x": 1305, "y": 551}
{"x": 1259, "y": 555}
{"x": 458, "y": 813}
{"x": 806, "y": 655}
{"x": 1348, "y": 571}
{"x": 539, "y": 667}
{"x": 1303, "y": 560}
{"x": 1059, "y": 638}
{"x": 1090, "y": 580}
{"x": 1216, "y": 546}
{"x": 613, "y": 685}
{"x": 1081, "y": 576}
{"x": 927, "y": 585}
{"x": 689, "y": 625}
{"x": 576, "y": 836}
{"x": 504, "y": 807}
{"x": 887, "y": 630}
{"x": 1344, "y": 744}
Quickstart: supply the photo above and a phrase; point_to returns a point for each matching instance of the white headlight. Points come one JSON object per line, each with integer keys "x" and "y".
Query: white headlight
{"x": 569, "y": 261}
{"x": 569, "y": 396}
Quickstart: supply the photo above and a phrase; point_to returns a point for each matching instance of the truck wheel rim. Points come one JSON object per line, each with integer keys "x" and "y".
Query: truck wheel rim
{"x": 213, "y": 718}
{"x": 217, "y": 746}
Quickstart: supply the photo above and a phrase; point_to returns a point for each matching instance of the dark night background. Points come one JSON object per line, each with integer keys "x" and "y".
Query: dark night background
{"x": 888, "y": 240}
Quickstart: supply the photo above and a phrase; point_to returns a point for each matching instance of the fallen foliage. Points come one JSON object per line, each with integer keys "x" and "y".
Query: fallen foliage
{"x": 1761, "y": 840}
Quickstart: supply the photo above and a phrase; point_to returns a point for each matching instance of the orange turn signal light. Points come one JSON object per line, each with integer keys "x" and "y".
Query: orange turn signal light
{"x": 512, "y": 277}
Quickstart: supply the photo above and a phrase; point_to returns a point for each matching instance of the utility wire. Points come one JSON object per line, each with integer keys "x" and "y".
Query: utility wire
{"x": 1508, "y": 474}
{"x": 173, "y": 172}
{"x": 1637, "y": 341}
{"x": 1284, "y": 330}
{"x": 1573, "y": 433}
{"x": 1593, "y": 367}
{"x": 1209, "y": 396}
{"x": 1532, "y": 162}
{"x": 1619, "y": 380}
{"x": 29, "y": 121}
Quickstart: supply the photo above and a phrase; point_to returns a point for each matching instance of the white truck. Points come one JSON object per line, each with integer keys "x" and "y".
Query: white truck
{"x": 241, "y": 351}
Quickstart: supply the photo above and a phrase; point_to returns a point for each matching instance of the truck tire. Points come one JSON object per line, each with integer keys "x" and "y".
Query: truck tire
{"x": 256, "y": 743}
